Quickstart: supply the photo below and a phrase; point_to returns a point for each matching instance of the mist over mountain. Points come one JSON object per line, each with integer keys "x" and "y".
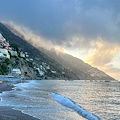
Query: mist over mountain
{"x": 83, "y": 70}
{"x": 38, "y": 57}
{"x": 73, "y": 68}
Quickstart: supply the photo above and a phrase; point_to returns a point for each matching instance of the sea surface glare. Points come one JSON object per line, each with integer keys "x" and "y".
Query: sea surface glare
{"x": 65, "y": 100}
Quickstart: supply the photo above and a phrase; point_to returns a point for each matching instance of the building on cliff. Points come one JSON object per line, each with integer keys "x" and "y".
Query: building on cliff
{"x": 4, "y": 47}
{"x": 16, "y": 72}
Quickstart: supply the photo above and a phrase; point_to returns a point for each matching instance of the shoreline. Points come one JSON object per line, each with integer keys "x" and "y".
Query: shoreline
{"x": 7, "y": 113}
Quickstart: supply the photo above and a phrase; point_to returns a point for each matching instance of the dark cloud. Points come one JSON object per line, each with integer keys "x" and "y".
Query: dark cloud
{"x": 60, "y": 20}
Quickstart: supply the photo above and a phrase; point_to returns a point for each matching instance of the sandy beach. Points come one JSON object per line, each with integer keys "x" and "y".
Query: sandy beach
{"x": 7, "y": 113}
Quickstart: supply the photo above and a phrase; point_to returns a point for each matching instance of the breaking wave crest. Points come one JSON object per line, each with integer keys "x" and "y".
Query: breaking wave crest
{"x": 70, "y": 104}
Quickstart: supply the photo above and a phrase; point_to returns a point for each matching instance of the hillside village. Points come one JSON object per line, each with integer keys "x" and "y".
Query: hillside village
{"x": 15, "y": 63}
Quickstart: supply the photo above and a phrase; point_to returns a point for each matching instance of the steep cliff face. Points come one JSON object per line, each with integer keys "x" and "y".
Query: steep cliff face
{"x": 63, "y": 66}
{"x": 57, "y": 71}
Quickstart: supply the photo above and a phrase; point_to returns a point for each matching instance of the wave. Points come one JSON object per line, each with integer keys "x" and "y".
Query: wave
{"x": 70, "y": 104}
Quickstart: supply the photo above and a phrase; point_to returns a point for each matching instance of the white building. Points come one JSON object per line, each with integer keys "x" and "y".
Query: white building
{"x": 4, "y": 53}
{"x": 31, "y": 59}
{"x": 40, "y": 72}
{"x": 2, "y": 38}
{"x": 16, "y": 72}
{"x": 54, "y": 72}
{"x": 48, "y": 67}
{"x": 22, "y": 55}
{"x": 27, "y": 55}
{"x": 13, "y": 53}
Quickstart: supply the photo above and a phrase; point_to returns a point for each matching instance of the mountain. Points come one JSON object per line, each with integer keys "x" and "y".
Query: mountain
{"x": 83, "y": 70}
{"x": 57, "y": 70}
{"x": 66, "y": 65}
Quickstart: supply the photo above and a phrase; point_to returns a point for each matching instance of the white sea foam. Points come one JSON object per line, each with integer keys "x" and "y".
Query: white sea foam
{"x": 70, "y": 104}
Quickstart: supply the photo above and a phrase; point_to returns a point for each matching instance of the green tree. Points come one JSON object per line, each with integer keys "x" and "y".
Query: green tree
{"x": 15, "y": 47}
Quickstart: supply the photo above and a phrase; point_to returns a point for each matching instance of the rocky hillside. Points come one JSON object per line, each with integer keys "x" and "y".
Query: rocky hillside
{"x": 56, "y": 71}
{"x": 66, "y": 66}
{"x": 83, "y": 70}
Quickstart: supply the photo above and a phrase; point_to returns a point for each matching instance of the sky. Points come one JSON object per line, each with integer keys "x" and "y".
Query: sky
{"x": 87, "y": 29}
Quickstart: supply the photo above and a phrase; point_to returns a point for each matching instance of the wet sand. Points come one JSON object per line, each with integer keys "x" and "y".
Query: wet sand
{"x": 7, "y": 113}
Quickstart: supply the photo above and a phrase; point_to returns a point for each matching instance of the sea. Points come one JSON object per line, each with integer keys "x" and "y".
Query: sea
{"x": 65, "y": 99}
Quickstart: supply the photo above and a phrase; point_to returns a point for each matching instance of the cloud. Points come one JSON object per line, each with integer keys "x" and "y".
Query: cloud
{"x": 61, "y": 20}
{"x": 29, "y": 35}
{"x": 32, "y": 38}
{"x": 103, "y": 53}
{"x": 110, "y": 70}
{"x": 105, "y": 56}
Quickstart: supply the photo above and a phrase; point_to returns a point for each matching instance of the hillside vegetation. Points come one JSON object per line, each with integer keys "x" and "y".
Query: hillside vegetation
{"x": 55, "y": 71}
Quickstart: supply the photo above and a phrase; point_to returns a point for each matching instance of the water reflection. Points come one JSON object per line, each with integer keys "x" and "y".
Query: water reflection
{"x": 98, "y": 97}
